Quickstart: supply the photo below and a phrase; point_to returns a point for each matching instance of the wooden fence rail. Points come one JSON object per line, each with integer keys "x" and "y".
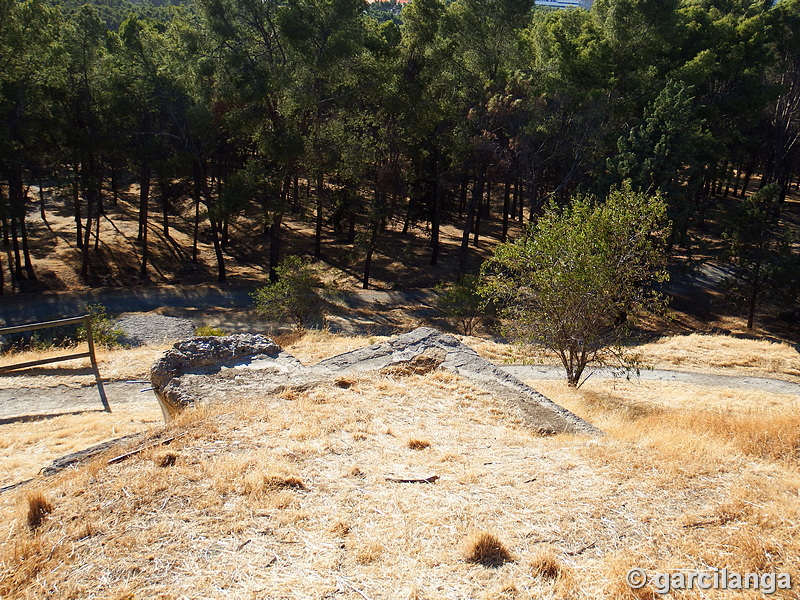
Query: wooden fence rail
{"x": 87, "y": 323}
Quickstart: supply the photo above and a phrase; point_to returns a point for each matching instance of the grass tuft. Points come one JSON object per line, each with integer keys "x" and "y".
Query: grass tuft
{"x": 166, "y": 459}
{"x": 486, "y": 549}
{"x": 38, "y": 509}
{"x": 417, "y": 444}
{"x": 547, "y": 565}
{"x": 284, "y": 482}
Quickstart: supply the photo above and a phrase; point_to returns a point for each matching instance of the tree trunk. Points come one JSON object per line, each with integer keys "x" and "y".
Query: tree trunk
{"x": 748, "y": 174}
{"x": 721, "y": 179}
{"x": 144, "y": 201}
{"x": 221, "y": 277}
{"x": 16, "y": 271}
{"x": 462, "y": 204}
{"x": 4, "y": 217}
{"x": 275, "y": 246}
{"x": 114, "y": 183}
{"x": 18, "y": 205}
{"x": 436, "y": 216}
{"x": 144, "y": 196}
{"x": 202, "y": 183}
{"x": 373, "y": 241}
{"x": 477, "y": 229}
{"x": 506, "y": 203}
{"x": 318, "y": 228}
{"x": 97, "y": 229}
{"x": 88, "y": 176}
{"x": 378, "y": 224}
{"x": 474, "y": 205}
{"x": 76, "y": 198}
{"x": 737, "y": 180}
{"x": 407, "y": 220}
{"x": 165, "y": 215}
{"x": 514, "y": 198}
{"x": 41, "y": 200}
{"x": 198, "y": 194}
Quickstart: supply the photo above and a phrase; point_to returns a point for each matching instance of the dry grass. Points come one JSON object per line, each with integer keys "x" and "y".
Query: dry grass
{"x": 486, "y": 549}
{"x": 38, "y": 509}
{"x": 686, "y": 419}
{"x": 417, "y": 444}
{"x": 547, "y": 564}
{"x": 26, "y": 447}
{"x": 697, "y": 352}
{"x": 314, "y": 345}
{"x": 287, "y": 496}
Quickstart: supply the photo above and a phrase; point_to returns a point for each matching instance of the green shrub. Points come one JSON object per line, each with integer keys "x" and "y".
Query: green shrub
{"x": 104, "y": 331}
{"x": 462, "y": 304}
{"x": 208, "y": 330}
{"x": 296, "y": 295}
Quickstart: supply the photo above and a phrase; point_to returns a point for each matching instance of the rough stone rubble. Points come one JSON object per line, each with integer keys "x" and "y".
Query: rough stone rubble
{"x": 216, "y": 367}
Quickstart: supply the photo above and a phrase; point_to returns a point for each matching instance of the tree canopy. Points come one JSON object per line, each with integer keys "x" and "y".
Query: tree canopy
{"x": 423, "y": 113}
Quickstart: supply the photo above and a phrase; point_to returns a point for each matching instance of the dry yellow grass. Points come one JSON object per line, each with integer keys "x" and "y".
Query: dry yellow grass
{"x": 115, "y": 364}
{"x": 26, "y": 447}
{"x": 287, "y": 496}
{"x": 486, "y": 549}
{"x": 279, "y": 496}
{"x": 314, "y": 345}
{"x": 38, "y": 509}
{"x": 697, "y": 352}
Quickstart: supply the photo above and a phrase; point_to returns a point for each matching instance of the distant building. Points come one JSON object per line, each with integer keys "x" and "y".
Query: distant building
{"x": 565, "y": 3}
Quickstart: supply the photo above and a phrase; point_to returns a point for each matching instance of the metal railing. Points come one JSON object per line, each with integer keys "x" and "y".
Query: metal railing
{"x": 87, "y": 323}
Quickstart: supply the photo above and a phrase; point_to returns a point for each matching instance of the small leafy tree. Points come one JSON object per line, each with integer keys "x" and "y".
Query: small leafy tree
{"x": 573, "y": 282}
{"x": 462, "y": 303}
{"x": 295, "y": 295}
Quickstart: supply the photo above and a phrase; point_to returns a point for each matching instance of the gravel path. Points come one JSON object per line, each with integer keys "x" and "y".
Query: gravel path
{"x": 746, "y": 382}
{"x": 35, "y": 403}
{"x": 150, "y": 328}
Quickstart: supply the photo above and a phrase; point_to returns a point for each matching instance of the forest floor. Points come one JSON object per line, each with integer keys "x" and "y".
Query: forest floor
{"x": 401, "y": 263}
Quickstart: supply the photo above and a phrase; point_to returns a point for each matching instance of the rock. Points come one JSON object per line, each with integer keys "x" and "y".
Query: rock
{"x": 178, "y": 382}
{"x": 541, "y": 413}
{"x": 197, "y": 353}
{"x": 430, "y": 360}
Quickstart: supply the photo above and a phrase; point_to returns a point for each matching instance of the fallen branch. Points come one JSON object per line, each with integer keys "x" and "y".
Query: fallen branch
{"x": 430, "y": 479}
{"x": 580, "y": 550}
{"x": 122, "y": 457}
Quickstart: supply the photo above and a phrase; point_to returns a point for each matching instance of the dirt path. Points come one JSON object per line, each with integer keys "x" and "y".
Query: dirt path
{"x": 31, "y": 403}
{"x": 369, "y": 312}
{"x": 16, "y": 309}
{"x": 746, "y": 382}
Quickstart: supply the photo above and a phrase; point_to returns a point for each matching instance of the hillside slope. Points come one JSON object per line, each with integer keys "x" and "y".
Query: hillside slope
{"x": 296, "y": 495}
